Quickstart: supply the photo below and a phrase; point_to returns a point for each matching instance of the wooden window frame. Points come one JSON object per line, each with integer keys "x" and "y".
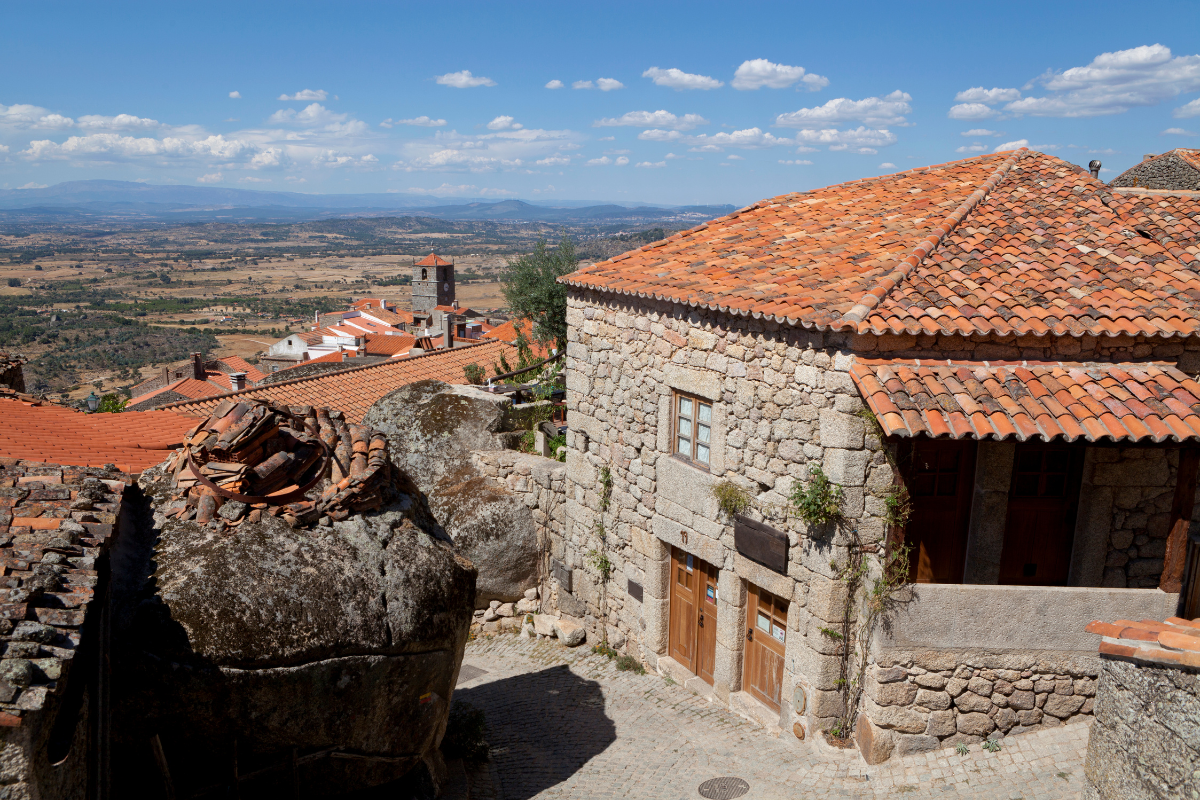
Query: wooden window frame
{"x": 697, "y": 401}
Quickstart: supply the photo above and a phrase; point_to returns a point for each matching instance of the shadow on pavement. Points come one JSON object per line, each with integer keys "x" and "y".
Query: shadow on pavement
{"x": 542, "y": 727}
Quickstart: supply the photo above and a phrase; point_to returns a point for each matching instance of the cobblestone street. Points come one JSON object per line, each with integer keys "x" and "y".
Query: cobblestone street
{"x": 567, "y": 724}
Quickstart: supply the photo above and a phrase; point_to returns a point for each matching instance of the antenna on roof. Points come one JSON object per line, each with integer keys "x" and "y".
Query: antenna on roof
{"x": 1094, "y": 165}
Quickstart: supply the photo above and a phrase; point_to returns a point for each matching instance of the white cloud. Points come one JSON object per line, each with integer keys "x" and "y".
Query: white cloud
{"x": 971, "y": 148}
{"x": 651, "y": 164}
{"x": 1113, "y": 83}
{"x": 622, "y": 161}
{"x": 304, "y": 94}
{"x": 335, "y": 158}
{"x": 749, "y": 139}
{"x": 678, "y": 79}
{"x": 553, "y": 161}
{"x": 421, "y": 122}
{"x": 504, "y": 123}
{"x": 653, "y": 119}
{"x": 269, "y": 158}
{"x": 452, "y": 190}
{"x": 887, "y": 165}
{"x": 583, "y": 85}
{"x": 212, "y": 177}
{"x": 22, "y": 115}
{"x": 616, "y": 152}
{"x": 988, "y": 96}
{"x": 799, "y": 162}
{"x": 971, "y": 111}
{"x": 3, "y": 148}
{"x": 887, "y": 110}
{"x": 1177, "y": 132}
{"x": 1191, "y": 109}
{"x": 32, "y": 185}
{"x": 606, "y": 139}
{"x": 316, "y": 115}
{"x": 253, "y": 179}
{"x": 670, "y": 156}
{"x": 106, "y": 146}
{"x": 599, "y": 162}
{"x": 980, "y": 132}
{"x": 841, "y": 140}
{"x": 236, "y": 95}
{"x": 554, "y": 84}
{"x": 759, "y": 72}
{"x": 608, "y": 84}
{"x": 1012, "y": 145}
{"x": 500, "y": 150}
{"x": 734, "y": 157}
{"x": 121, "y": 122}
{"x": 464, "y": 80}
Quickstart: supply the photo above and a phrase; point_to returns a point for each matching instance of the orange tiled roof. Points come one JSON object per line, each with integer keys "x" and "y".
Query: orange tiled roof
{"x": 188, "y": 387}
{"x": 508, "y": 331}
{"x": 433, "y": 260}
{"x": 1175, "y": 642}
{"x": 328, "y": 358}
{"x": 977, "y": 400}
{"x": 381, "y": 345}
{"x": 389, "y": 317}
{"x": 1016, "y": 242}
{"x": 53, "y": 434}
{"x": 355, "y": 390}
{"x": 369, "y": 302}
{"x": 239, "y": 364}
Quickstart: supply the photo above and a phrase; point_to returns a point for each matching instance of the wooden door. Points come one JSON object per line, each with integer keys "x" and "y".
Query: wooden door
{"x": 939, "y": 475}
{"x": 706, "y": 624}
{"x": 766, "y": 637}
{"x": 685, "y": 582}
{"x": 1043, "y": 501}
{"x": 692, "y": 633}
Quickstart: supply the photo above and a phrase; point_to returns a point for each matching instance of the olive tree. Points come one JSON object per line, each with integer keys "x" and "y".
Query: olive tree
{"x": 533, "y": 292}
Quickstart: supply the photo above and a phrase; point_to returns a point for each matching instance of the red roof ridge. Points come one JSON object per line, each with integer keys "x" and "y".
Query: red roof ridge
{"x": 871, "y": 299}
{"x": 389, "y": 363}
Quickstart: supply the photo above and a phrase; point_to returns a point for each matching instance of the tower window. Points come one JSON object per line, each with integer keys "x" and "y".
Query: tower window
{"x": 424, "y": 274}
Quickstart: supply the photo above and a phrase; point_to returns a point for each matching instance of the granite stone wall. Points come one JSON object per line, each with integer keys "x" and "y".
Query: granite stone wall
{"x": 783, "y": 401}
{"x": 1145, "y": 742}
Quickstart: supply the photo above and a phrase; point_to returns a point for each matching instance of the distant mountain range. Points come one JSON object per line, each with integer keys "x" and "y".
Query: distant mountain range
{"x": 79, "y": 200}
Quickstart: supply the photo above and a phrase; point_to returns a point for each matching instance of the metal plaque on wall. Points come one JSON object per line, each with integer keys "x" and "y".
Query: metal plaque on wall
{"x": 635, "y": 591}
{"x": 761, "y": 543}
{"x": 560, "y": 573}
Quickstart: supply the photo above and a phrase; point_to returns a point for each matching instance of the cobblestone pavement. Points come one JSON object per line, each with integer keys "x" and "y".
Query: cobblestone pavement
{"x": 567, "y": 724}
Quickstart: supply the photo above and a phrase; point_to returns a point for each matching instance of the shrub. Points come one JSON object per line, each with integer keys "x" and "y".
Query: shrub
{"x": 731, "y": 498}
{"x": 820, "y": 500}
{"x": 627, "y": 663}
{"x": 474, "y": 374}
{"x": 14, "y": 282}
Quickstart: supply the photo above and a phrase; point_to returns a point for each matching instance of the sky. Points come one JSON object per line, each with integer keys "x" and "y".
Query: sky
{"x": 669, "y": 103}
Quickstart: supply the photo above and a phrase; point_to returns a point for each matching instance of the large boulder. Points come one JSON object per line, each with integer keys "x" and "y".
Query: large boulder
{"x": 324, "y": 656}
{"x": 432, "y": 428}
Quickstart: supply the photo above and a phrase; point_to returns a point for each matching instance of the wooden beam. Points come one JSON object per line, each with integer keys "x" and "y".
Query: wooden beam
{"x": 1181, "y": 520}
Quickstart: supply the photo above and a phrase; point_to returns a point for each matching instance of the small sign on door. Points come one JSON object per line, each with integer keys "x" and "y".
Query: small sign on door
{"x": 711, "y": 593}
{"x": 689, "y": 562}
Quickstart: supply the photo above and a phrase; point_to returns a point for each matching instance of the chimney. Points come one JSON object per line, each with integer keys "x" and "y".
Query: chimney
{"x": 166, "y": 376}
{"x": 1094, "y": 166}
{"x": 237, "y": 380}
{"x": 1148, "y": 156}
{"x": 197, "y": 367}
{"x": 360, "y": 344}
{"x": 448, "y": 330}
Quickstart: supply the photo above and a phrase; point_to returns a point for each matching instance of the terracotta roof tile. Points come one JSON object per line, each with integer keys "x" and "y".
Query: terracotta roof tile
{"x": 133, "y": 440}
{"x": 433, "y": 260}
{"x": 1011, "y": 243}
{"x": 353, "y": 391}
{"x": 390, "y": 345}
{"x": 1030, "y": 400}
{"x": 187, "y": 387}
{"x": 239, "y": 364}
{"x": 1174, "y": 642}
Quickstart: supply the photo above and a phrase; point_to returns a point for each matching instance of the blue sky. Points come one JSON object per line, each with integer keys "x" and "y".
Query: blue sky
{"x": 677, "y": 102}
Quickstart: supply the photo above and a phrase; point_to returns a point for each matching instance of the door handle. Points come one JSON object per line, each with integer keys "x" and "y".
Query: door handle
{"x": 749, "y": 634}
{"x": 701, "y": 620}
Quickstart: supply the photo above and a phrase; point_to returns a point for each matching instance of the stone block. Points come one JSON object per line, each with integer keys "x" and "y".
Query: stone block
{"x": 543, "y": 625}
{"x": 941, "y": 723}
{"x": 909, "y": 743}
{"x": 873, "y": 742}
{"x": 980, "y": 686}
{"x": 846, "y": 467}
{"x": 955, "y": 686}
{"x": 892, "y": 694}
{"x": 1005, "y": 719}
{"x": 569, "y": 633}
{"x": 975, "y": 724}
{"x": 931, "y": 680}
{"x": 969, "y": 702}
{"x": 1062, "y": 706}
{"x": 905, "y": 720}
{"x": 841, "y": 430}
{"x": 934, "y": 701}
{"x": 889, "y": 674}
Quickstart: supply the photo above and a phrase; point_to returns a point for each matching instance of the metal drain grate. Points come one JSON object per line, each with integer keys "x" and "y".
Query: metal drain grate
{"x": 723, "y": 788}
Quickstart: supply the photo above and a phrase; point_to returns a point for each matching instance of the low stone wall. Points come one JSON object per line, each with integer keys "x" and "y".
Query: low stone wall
{"x": 541, "y": 484}
{"x": 1145, "y": 742}
{"x": 1167, "y": 171}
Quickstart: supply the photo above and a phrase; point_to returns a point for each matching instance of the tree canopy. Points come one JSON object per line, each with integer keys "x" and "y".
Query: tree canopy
{"x": 533, "y": 292}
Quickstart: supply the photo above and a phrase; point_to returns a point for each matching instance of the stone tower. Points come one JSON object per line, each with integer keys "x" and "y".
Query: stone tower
{"x": 432, "y": 284}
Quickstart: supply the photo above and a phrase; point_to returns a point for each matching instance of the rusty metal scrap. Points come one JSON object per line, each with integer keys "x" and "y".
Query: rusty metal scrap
{"x": 298, "y": 463}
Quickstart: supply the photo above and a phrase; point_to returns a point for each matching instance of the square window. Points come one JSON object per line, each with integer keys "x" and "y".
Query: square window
{"x": 693, "y": 429}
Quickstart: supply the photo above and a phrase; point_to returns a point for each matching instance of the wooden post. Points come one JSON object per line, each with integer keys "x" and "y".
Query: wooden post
{"x": 1181, "y": 520}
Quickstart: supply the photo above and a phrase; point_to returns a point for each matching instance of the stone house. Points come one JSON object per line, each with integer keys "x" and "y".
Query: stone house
{"x": 1174, "y": 170}
{"x": 1002, "y": 344}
